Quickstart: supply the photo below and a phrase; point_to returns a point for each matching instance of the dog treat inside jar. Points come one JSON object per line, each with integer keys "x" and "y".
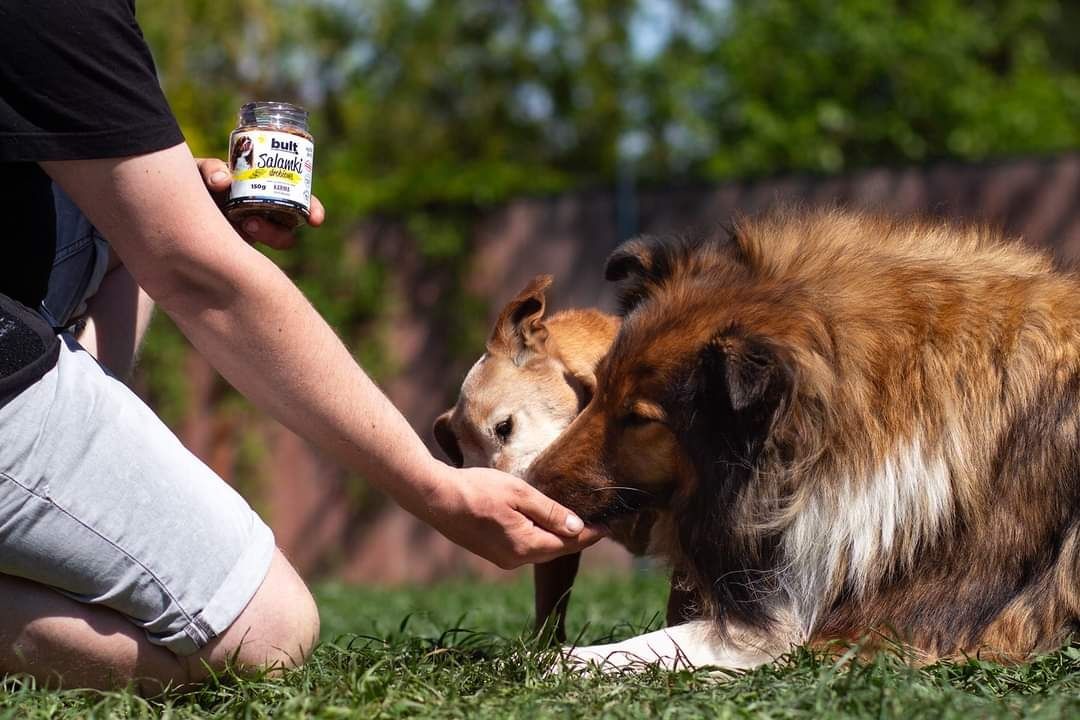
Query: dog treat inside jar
{"x": 271, "y": 154}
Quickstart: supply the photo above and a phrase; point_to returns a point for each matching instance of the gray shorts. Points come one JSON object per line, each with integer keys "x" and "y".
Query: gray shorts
{"x": 99, "y": 500}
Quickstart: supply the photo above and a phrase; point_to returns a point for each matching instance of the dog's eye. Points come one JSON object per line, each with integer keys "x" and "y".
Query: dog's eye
{"x": 634, "y": 419}
{"x": 642, "y": 413}
{"x": 503, "y": 429}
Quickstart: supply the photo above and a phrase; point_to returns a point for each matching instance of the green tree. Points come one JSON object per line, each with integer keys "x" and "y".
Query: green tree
{"x": 422, "y": 104}
{"x": 429, "y": 111}
{"x": 829, "y": 85}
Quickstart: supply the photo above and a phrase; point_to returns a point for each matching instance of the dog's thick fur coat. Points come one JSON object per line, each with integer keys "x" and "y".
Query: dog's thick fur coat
{"x": 862, "y": 427}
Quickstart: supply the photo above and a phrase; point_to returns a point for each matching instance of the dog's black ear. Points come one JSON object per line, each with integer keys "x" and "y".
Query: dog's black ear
{"x": 739, "y": 382}
{"x": 636, "y": 265}
{"x": 520, "y": 331}
{"x": 631, "y": 259}
{"x": 444, "y": 435}
{"x": 733, "y": 394}
{"x": 642, "y": 265}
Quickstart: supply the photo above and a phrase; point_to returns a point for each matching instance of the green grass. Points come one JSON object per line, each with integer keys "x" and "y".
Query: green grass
{"x": 459, "y": 651}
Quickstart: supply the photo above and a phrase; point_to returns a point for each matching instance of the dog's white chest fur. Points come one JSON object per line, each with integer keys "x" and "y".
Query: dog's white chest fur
{"x": 865, "y": 528}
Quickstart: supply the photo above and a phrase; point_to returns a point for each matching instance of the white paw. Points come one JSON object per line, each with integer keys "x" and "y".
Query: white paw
{"x": 688, "y": 646}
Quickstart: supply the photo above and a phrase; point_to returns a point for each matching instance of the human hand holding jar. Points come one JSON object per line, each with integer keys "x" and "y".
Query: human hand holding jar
{"x": 265, "y": 190}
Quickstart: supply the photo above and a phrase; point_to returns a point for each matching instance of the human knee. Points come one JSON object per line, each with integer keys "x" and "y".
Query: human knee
{"x": 279, "y": 627}
{"x": 296, "y": 630}
{"x": 288, "y": 617}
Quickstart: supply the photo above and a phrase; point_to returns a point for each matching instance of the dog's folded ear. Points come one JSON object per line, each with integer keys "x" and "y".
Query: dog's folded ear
{"x": 643, "y": 264}
{"x": 444, "y": 435}
{"x": 633, "y": 258}
{"x": 520, "y": 331}
{"x": 636, "y": 265}
{"x": 738, "y": 384}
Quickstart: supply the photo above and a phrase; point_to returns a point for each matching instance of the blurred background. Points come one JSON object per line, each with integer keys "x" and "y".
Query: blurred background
{"x": 463, "y": 146}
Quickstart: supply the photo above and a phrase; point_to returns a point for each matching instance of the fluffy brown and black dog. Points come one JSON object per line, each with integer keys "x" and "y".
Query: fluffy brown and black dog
{"x": 862, "y": 427}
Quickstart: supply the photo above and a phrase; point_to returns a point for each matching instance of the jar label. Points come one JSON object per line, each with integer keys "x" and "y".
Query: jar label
{"x": 270, "y": 165}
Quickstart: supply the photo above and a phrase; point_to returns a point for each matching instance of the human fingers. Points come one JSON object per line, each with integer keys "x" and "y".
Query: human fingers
{"x": 215, "y": 173}
{"x": 317, "y": 214}
{"x": 545, "y": 512}
{"x": 537, "y": 545}
{"x": 278, "y": 236}
{"x": 267, "y": 232}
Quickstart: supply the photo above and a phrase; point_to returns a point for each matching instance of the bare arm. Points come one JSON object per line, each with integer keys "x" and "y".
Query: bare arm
{"x": 118, "y": 315}
{"x": 262, "y": 335}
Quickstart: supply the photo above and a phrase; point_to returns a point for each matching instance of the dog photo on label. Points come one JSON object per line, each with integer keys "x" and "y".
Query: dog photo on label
{"x": 535, "y": 376}
{"x": 243, "y": 154}
{"x": 862, "y": 429}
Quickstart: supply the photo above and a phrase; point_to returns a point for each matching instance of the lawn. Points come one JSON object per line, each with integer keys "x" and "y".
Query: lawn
{"x": 460, "y": 651}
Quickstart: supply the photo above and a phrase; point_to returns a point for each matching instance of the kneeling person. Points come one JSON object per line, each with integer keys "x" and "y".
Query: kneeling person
{"x": 122, "y": 557}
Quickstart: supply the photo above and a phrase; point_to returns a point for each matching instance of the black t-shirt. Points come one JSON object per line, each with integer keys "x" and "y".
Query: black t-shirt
{"x": 77, "y": 81}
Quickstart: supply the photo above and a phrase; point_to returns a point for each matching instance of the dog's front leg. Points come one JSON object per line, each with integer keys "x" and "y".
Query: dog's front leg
{"x": 552, "y": 583}
{"x": 682, "y": 600}
{"x": 687, "y": 646}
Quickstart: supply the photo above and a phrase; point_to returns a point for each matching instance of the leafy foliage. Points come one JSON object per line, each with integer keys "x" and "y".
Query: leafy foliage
{"x": 424, "y": 107}
{"x": 826, "y": 85}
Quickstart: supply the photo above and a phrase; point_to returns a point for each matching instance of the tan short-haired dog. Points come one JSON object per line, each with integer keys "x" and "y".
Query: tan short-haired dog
{"x": 535, "y": 377}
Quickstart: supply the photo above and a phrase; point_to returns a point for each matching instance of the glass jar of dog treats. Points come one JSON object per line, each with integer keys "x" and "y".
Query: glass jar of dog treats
{"x": 271, "y": 154}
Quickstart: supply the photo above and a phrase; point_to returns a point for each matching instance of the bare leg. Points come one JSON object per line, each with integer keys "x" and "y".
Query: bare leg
{"x": 116, "y": 320}
{"x": 56, "y": 639}
{"x": 552, "y": 583}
